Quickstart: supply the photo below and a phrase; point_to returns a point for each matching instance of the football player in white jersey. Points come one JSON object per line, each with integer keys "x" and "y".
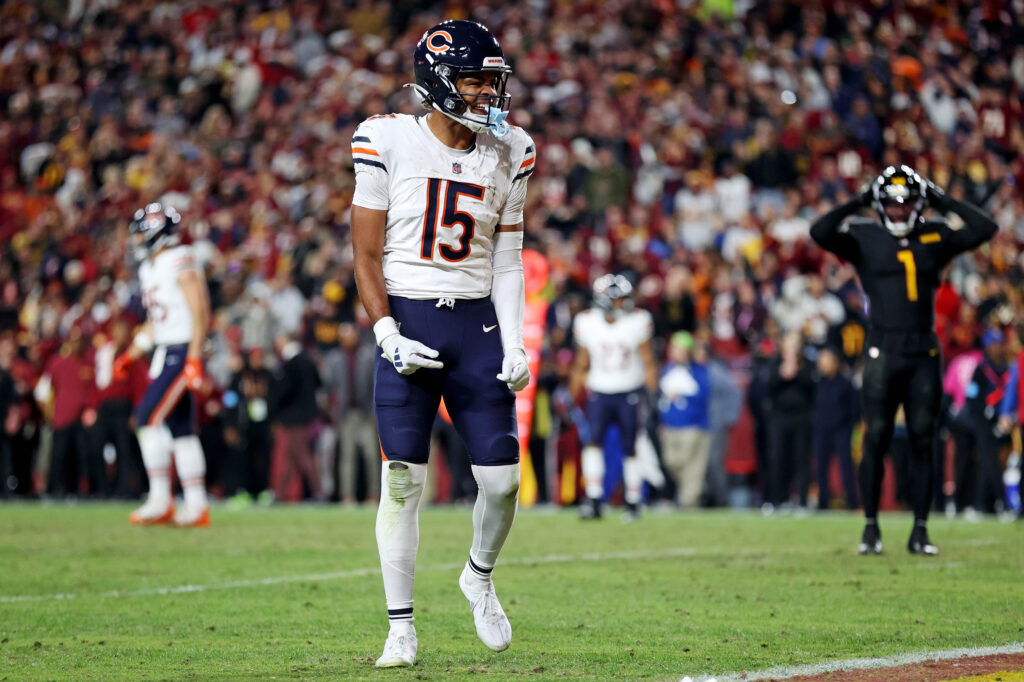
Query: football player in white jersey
{"x": 615, "y": 361}
{"x": 178, "y": 311}
{"x": 437, "y": 223}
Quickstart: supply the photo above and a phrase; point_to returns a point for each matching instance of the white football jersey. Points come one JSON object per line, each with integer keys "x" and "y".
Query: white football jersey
{"x": 163, "y": 297}
{"x": 614, "y": 347}
{"x": 443, "y": 204}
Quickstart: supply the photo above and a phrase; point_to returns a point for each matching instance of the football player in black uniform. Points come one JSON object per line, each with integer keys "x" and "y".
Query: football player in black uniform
{"x": 899, "y": 262}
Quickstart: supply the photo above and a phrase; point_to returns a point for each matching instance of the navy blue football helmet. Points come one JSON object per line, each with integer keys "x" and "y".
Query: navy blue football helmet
{"x": 153, "y": 228}
{"x": 899, "y": 197}
{"x": 610, "y": 289}
{"x": 451, "y": 50}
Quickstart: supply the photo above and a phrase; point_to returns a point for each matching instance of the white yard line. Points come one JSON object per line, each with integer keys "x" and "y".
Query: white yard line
{"x": 340, "y": 575}
{"x": 785, "y": 672}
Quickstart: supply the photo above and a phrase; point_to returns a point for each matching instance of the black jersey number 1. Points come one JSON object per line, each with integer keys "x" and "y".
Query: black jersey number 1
{"x": 450, "y": 217}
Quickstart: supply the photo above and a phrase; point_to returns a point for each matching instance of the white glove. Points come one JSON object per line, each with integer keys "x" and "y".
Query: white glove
{"x": 404, "y": 353}
{"x": 515, "y": 370}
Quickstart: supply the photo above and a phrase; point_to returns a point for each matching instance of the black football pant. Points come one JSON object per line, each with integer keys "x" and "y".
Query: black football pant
{"x": 989, "y": 475}
{"x": 964, "y": 443}
{"x": 113, "y": 425}
{"x": 789, "y": 451}
{"x": 915, "y": 381}
{"x": 69, "y": 461}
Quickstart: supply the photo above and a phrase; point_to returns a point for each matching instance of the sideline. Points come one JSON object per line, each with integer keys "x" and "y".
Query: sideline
{"x": 893, "y": 661}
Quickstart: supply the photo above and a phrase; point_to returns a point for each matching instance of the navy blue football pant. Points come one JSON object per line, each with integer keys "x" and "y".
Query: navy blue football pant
{"x": 482, "y": 408}
{"x": 167, "y": 400}
{"x": 621, "y": 409}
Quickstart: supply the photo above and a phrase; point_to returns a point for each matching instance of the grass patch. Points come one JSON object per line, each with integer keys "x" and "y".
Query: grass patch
{"x": 293, "y": 593}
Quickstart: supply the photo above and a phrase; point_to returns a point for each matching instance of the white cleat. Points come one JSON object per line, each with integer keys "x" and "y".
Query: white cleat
{"x": 492, "y": 626}
{"x": 400, "y": 649}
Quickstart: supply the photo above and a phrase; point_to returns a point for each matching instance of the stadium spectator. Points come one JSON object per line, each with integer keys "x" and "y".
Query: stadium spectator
{"x": 8, "y": 402}
{"x": 984, "y": 394}
{"x": 791, "y": 403}
{"x": 723, "y": 413}
{"x": 247, "y": 431}
{"x": 293, "y": 408}
{"x": 115, "y": 398}
{"x": 836, "y": 412}
{"x": 66, "y": 389}
{"x": 348, "y": 379}
{"x": 242, "y": 114}
{"x": 685, "y": 408}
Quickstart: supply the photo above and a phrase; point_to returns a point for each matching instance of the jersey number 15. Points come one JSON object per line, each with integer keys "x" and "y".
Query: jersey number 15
{"x": 450, "y": 217}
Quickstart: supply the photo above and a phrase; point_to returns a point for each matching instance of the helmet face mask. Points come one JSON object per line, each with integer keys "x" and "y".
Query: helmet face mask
{"x": 455, "y": 50}
{"x": 899, "y": 199}
{"x": 152, "y": 228}
{"x": 613, "y": 294}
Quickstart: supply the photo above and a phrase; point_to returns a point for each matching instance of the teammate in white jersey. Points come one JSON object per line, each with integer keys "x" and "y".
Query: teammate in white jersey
{"x": 615, "y": 362}
{"x": 178, "y": 310}
{"x": 437, "y": 223}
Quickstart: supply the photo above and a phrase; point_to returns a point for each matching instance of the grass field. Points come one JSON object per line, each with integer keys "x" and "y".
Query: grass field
{"x": 294, "y": 593}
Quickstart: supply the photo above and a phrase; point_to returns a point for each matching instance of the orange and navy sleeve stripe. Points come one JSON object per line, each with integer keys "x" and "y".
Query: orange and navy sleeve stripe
{"x": 365, "y": 153}
{"x": 526, "y": 167}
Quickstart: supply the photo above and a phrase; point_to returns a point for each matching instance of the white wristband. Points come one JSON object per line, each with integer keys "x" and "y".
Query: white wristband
{"x": 385, "y": 327}
{"x": 143, "y": 342}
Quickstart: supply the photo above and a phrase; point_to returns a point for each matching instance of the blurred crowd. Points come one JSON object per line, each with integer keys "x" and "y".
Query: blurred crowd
{"x": 688, "y": 145}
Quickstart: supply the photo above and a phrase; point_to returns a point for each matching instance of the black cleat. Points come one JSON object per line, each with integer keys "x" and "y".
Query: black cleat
{"x": 632, "y": 513}
{"x": 871, "y": 540}
{"x": 590, "y": 509}
{"x": 920, "y": 544}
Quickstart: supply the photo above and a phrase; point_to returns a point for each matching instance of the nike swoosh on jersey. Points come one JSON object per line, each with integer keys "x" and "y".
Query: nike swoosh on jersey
{"x": 491, "y": 328}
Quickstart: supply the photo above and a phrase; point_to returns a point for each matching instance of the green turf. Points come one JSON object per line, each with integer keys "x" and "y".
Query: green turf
{"x": 669, "y": 596}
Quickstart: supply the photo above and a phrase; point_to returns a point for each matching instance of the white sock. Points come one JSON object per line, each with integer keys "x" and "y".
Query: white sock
{"x": 493, "y": 514}
{"x": 632, "y": 479}
{"x": 593, "y": 471}
{"x": 191, "y": 465}
{"x": 156, "y": 457}
{"x": 398, "y": 534}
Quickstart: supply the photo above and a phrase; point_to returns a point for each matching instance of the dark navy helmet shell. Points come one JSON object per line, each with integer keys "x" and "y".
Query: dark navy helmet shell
{"x": 450, "y": 51}
{"x": 154, "y": 227}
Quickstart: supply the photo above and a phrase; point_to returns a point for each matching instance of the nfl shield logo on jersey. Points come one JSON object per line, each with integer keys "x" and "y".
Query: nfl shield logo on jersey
{"x": 456, "y": 167}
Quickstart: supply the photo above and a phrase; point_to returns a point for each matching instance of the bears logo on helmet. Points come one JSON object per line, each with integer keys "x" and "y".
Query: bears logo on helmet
{"x": 439, "y": 42}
